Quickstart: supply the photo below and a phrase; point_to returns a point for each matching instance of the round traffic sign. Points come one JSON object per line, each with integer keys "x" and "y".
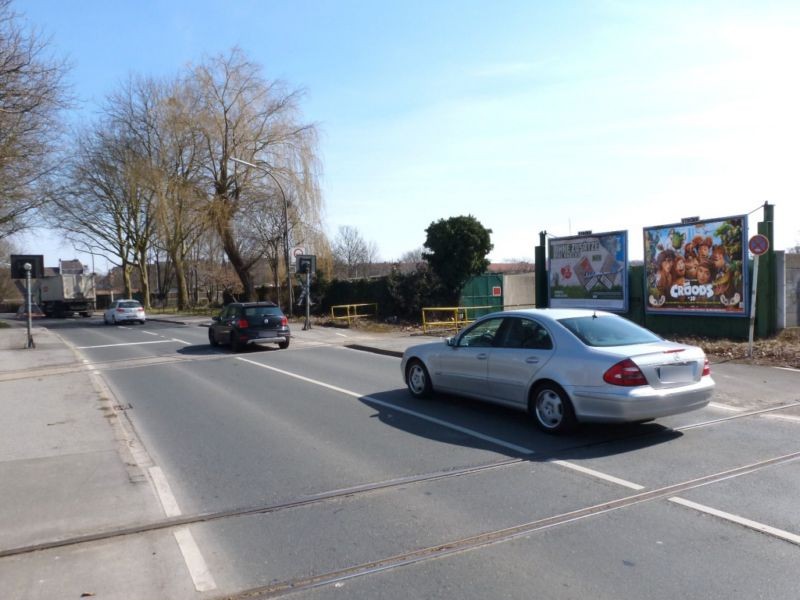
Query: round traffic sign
{"x": 298, "y": 251}
{"x": 758, "y": 244}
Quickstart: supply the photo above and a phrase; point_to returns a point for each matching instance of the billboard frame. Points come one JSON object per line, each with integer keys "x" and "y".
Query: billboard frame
{"x": 698, "y": 295}
{"x": 586, "y": 250}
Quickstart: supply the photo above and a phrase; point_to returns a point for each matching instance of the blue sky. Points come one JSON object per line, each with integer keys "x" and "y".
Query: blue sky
{"x": 530, "y": 115}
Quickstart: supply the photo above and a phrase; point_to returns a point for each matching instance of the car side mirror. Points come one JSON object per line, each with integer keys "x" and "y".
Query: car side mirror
{"x": 451, "y": 341}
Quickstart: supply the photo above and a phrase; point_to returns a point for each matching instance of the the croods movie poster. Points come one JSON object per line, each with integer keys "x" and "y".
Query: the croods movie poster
{"x": 589, "y": 271}
{"x": 697, "y": 267}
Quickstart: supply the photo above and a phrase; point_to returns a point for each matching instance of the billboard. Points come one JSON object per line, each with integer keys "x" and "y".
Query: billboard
{"x": 698, "y": 267}
{"x": 589, "y": 271}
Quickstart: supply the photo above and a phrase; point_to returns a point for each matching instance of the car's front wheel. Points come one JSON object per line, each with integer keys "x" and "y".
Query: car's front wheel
{"x": 212, "y": 339}
{"x": 418, "y": 380}
{"x": 552, "y": 409}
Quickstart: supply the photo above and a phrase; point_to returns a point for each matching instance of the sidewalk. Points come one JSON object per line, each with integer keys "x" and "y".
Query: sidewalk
{"x": 66, "y": 471}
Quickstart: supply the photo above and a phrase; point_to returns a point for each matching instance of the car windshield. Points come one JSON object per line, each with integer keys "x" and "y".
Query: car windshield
{"x": 132, "y": 304}
{"x": 262, "y": 311}
{"x": 608, "y": 330}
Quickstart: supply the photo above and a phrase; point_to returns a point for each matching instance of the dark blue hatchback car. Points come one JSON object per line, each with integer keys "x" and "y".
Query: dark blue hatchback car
{"x": 243, "y": 323}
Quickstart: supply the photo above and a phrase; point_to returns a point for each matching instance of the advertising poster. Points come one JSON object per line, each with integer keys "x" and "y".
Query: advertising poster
{"x": 589, "y": 271}
{"x": 697, "y": 267}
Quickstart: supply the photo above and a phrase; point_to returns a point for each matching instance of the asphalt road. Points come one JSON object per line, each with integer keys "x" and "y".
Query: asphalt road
{"x": 312, "y": 471}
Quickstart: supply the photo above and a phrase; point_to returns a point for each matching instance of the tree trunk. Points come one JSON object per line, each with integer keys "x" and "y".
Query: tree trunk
{"x": 238, "y": 264}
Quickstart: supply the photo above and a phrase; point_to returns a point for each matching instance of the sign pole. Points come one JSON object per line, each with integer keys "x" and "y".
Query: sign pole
{"x": 30, "y": 343}
{"x": 308, "y": 299}
{"x": 753, "y": 307}
{"x": 758, "y": 245}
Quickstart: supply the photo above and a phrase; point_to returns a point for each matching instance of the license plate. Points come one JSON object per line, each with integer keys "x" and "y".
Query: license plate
{"x": 676, "y": 374}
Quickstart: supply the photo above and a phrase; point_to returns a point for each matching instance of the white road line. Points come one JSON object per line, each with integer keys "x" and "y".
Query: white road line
{"x": 150, "y": 333}
{"x": 464, "y": 430}
{"x": 195, "y": 563}
{"x": 725, "y": 407}
{"x": 198, "y": 569}
{"x": 340, "y": 334}
{"x": 181, "y": 342}
{"x": 779, "y": 533}
{"x": 164, "y": 492}
{"x": 125, "y": 344}
{"x": 788, "y": 369}
{"x": 598, "y": 474}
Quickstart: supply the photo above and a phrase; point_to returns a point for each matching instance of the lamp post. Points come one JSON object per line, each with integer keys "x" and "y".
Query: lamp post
{"x": 285, "y": 225}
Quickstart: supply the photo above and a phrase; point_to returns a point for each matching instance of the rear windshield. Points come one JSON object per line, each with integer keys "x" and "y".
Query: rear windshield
{"x": 131, "y": 304}
{"x": 608, "y": 331}
{"x": 262, "y": 311}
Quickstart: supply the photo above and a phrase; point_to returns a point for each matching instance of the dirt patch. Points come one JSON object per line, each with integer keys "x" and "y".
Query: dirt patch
{"x": 783, "y": 350}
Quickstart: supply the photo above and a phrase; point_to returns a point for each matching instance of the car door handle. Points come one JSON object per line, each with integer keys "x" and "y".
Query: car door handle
{"x": 532, "y": 360}
{"x": 482, "y": 356}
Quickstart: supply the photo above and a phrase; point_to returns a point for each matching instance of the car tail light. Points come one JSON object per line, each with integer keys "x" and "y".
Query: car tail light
{"x": 284, "y": 322}
{"x": 242, "y": 324}
{"x": 625, "y": 373}
{"x": 706, "y": 368}
{"x": 120, "y": 310}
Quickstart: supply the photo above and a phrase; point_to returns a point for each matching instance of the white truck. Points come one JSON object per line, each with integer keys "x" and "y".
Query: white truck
{"x": 65, "y": 291}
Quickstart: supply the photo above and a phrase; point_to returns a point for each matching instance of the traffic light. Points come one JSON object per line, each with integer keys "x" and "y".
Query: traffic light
{"x": 306, "y": 263}
{"x": 36, "y": 261}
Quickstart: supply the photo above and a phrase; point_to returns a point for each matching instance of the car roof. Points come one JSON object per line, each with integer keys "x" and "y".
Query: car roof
{"x": 249, "y": 304}
{"x": 553, "y": 314}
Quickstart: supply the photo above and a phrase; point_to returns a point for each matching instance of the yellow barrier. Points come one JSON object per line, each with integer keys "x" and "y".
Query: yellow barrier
{"x": 352, "y": 312}
{"x": 450, "y": 318}
{"x": 454, "y": 318}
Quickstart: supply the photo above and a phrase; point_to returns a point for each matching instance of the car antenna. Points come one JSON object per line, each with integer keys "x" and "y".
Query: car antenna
{"x": 594, "y": 314}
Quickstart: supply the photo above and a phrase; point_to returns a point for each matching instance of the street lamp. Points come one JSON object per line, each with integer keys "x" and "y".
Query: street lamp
{"x": 285, "y": 225}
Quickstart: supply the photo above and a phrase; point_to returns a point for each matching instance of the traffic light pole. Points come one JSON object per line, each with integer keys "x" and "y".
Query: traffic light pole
{"x": 308, "y": 300}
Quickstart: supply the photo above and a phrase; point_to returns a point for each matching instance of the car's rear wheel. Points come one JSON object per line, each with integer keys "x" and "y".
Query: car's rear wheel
{"x": 236, "y": 345}
{"x": 552, "y": 409}
{"x": 418, "y": 380}
{"x": 212, "y": 338}
{"x": 283, "y": 345}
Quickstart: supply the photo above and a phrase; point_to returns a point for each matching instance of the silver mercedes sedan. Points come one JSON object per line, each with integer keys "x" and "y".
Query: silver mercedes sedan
{"x": 564, "y": 366}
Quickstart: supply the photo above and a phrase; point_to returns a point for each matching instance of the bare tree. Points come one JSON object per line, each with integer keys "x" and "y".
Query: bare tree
{"x": 352, "y": 254}
{"x": 243, "y": 115}
{"x": 32, "y": 95}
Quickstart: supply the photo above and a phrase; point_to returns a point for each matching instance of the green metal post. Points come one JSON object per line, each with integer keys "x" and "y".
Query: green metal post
{"x": 540, "y": 276}
{"x": 766, "y": 303}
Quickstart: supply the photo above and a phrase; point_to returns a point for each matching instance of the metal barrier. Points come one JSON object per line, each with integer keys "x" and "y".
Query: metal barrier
{"x": 454, "y": 318}
{"x": 450, "y": 318}
{"x": 352, "y": 312}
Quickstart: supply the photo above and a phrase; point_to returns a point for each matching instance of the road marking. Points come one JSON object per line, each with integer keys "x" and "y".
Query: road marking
{"x": 198, "y": 569}
{"x": 598, "y": 474}
{"x": 125, "y": 344}
{"x": 464, "y": 430}
{"x": 788, "y": 369}
{"x": 181, "y": 342}
{"x": 725, "y": 407}
{"x": 340, "y": 334}
{"x": 164, "y": 492}
{"x": 150, "y": 333}
{"x": 779, "y": 533}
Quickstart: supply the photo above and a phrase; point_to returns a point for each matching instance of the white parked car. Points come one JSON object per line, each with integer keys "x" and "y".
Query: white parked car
{"x": 123, "y": 311}
{"x": 564, "y": 366}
